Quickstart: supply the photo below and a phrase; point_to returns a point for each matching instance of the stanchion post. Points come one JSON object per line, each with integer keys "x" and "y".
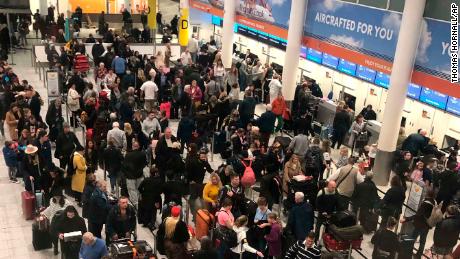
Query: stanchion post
{"x": 212, "y": 147}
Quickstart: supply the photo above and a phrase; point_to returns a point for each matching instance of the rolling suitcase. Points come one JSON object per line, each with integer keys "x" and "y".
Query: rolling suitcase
{"x": 41, "y": 238}
{"x": 29, "y": 203}
{"x": 369, "y": 220}
{"x": 204, "y": 221}
{"x": 126, "y": 249}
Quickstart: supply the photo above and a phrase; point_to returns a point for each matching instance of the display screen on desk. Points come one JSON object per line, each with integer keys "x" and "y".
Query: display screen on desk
{"x": 314, "y": 55}
{"x": 347, "y": 67}
{"x": 365, "y": 73}
{"x": 382, "y": 79}
{"x": 330, "y": 61}
{"x": 433, "y": 98}
{"x": 413, "y": 91}
{"x": 453, "y": 105}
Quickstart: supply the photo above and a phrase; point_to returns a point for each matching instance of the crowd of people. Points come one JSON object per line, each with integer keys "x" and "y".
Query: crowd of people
{"x": 125, "y": 110}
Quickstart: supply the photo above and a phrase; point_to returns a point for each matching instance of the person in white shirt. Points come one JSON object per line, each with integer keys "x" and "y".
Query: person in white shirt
{"x": 186, "y": 58}
{"x": 149, "y": 90}
{"x": 151, "y": 125}
{"x": 274, "y": 87}
{"x": 219, "y": 73}
{"x": 240, "y": 227}
{"x": 193, "y": 47}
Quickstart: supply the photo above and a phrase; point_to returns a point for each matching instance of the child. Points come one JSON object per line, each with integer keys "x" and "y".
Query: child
{"x": 274, "y": 237}
{"x": 372, "y": 154}
{"x": 10, "y": 154}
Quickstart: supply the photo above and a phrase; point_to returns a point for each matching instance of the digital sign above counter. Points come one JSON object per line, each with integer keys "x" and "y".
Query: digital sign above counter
{"x": 433, "y": 98}
{"x": 347, "y": 67}
{"x": 453, "y": 105}
{"x": 303, "y": 52}
{"x": 262, "y": 37}
{"x": 413, "y": 91}
{"x": 314, "y": 55}
{"x": 330, "y": 61}
{"x": 366, "y": 73}
{"x": 382, "y": 79}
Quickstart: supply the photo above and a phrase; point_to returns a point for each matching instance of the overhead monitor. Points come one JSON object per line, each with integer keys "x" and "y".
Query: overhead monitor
{"x": 433, "y": 98}
{"x": 314, "y": 55}
{"x": 453, "y": 105}
{"x": 382, "y": 79}
{"x": 330, "y": 61}
{"x": 413, "y": 91}
{"x": 347, "y": 67}
{"x": 365, "y": 73}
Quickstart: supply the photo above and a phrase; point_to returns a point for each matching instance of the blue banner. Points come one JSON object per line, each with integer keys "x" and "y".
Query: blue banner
{"x": 375, "y": 32}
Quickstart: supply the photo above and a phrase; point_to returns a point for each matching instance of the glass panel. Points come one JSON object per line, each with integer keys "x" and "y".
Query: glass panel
{"x": 375, "y": 3}
{"x": 397, "y": 5}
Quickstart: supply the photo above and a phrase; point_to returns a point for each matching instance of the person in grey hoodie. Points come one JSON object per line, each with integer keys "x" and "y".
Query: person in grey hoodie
{"x": 151, "y": 124}
{"x": 117, "y": 136}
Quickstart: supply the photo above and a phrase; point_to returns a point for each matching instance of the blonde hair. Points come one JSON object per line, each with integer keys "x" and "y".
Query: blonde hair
{"x": 128, "y": 129}
{"x": 215, "y": 175}
{"x": 170, "y": 226}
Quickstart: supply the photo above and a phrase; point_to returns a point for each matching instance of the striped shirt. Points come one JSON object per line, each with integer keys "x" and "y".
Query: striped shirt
{"x": 300, "y": 251}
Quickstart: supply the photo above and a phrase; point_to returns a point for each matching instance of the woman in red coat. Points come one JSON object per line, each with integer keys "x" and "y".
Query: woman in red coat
{"x": 279, "y": 107}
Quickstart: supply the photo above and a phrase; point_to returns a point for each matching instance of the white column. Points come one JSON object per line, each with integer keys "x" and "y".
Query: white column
{"x": 291, "y": 60}
{"x": 227, "y": 32}
{"x": 403, "y": 64}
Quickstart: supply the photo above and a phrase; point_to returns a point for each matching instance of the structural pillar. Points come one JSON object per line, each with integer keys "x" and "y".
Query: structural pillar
{"x": 403, "y": 64}
{"x": 184, "y": 22}
{"x": 228, "y": 33}
{"x": 294, "y": 40}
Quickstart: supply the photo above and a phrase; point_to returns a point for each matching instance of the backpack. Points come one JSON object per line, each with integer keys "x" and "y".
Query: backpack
{"x": 70, "y": 167}
{"x": 436, "y": 214}
{"x": 249, "y": 178}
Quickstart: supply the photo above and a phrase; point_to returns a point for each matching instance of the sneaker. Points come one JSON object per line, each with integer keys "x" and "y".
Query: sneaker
{"x": 15, "y": 180}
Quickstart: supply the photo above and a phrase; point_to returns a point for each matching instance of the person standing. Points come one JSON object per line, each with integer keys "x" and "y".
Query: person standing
{"x": 327, "y": 202}
{"x": 99, "y": 207}
{"x": 193, "y": 47}
{"x": 70, "y": 222}
{"x": 121, "y": 220}
{"x": 92, "y": 247}
{"x": 301, "y": 217}
{"x": 113, "y": 159}
{"x": 150, "y": 191}
{"x": 79, "y": 178}
{"x": 385, "y": 241}
{"x": 66, "y": 143}
{"x": 340, "y": 126}
{"x": 133, "y": 166}
{"x": 149, "y": 92}
{"x": 304, "y": 249}
{"x": 347, "y": 178}
{"x": 279, "y": 108}
{"x": 446, "y": 232}
{"x": 117, "y": 136}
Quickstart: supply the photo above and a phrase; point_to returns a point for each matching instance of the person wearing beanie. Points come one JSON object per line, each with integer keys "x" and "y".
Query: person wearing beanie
{"x": 175, "y": 234}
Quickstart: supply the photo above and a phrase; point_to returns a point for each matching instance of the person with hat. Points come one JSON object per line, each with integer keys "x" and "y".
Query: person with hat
{"x": 79, "y": 178}
{"x": 175, "y": 234}
{"x": 32, "y": 168}
{"x": 69, "y": 222}
{"x": 65, "y": 145}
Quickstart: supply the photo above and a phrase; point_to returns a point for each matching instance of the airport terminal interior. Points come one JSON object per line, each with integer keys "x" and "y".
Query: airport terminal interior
{"x": 389, "y": 69}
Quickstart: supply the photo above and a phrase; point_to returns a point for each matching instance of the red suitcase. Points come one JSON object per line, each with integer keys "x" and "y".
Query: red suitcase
{"x": 204, "y": 221}
{"x": 335, "y": 245}
{"x": 28, "y": 204}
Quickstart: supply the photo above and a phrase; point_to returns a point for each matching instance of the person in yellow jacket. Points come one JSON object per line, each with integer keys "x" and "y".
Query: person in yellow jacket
{"x": 211, "y": 193}
{"x": 79, "y": 177}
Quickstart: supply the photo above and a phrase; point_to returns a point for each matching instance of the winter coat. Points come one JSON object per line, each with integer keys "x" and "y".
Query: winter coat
{"x": 98, "y": 207}
{"x": 11, "y": 157}
{"x": 79, "y": 178}
{"x": 301, "y": 220}
{"x": 446, "y": 232}
{"x": 134, "y": 164}
{"x": 266, "y": 122}
{"x": 116, "y": 225}
{"x": 12, "y": 124}
{"x": 365, "y": 194}
{"x": 274, "y": 240}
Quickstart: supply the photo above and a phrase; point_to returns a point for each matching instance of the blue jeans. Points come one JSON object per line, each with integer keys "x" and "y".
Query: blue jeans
{"x": 222, "y": 250}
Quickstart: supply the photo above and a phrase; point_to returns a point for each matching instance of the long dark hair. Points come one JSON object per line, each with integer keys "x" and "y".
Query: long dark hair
{"x": 59, "y": 200}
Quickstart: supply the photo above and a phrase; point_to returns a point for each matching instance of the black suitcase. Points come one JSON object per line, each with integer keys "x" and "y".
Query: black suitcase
{"x": 284, "y": 141}
{"x": 343, "y": 219}
{"x": 41, "y": 239}
{"x": 406, "y": 246}
{"x": 124, "y": 249}
{"x": 249, "y": 209}
{"x": 369, "y": 220}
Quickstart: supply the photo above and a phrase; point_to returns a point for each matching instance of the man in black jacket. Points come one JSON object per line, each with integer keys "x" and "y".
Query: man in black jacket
{"x": 121, "y": 220}
{"x": 133, "y": 166}
{"x": 97, "y": 51}
{"x": 448, "y": 185}
{"x": 266, "y": 124}
{"x": 364, "y": 198}
{"x": 446, "y": 232}
{"x": 113, "y": 159}
{"x": 65, "y": 145}
{"x": 327, "y": 202}
{"x": 150, "y": 191}
{"x": 341, "y": 124}
{"x": 54, "y": 118}
{"x": 415, "y": 142}
{"x": 196, "y": 169}
{"x": 98, "y": 209}
{"x": 368, "y": 113}
{"x": 164, "y": 151}
{"x": 247, "y": 108}
{"x": 234, "y": 191}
